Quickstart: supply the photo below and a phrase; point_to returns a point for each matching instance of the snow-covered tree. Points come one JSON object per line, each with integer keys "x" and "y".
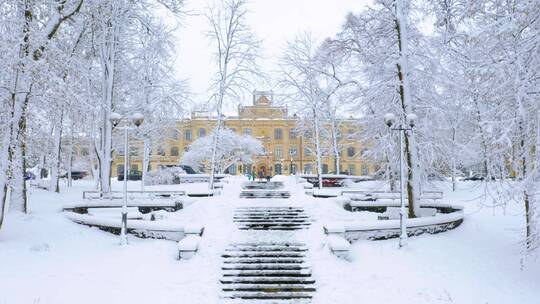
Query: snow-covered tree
{"x": 236, "y": 54}
{"x": 232, "y": 148}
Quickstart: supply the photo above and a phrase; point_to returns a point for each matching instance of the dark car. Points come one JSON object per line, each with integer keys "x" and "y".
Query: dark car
{"x": 327, "y": 182}
{"x": 29, "y": 176}
{"x": 476, "y": 177}
{"x": 188, "y": 169}
{"x": 75, "y": 175}
{"x": 133, "y": 175}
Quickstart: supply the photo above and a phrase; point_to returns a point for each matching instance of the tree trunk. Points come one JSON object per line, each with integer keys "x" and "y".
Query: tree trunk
{"x": 406, "y": 106}
{"x": 54, "y": 185}
{"x": 146, "y": 160}
{"x": 318, "y": 146}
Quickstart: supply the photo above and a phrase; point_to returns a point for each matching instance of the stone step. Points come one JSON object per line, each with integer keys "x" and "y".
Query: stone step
{"x": 267, "y": 273}
{"x": 262, "y": 254}
{"x": 265, "y": 266}
{"x": 266, "y": 295}
{"x": 270, "y": 288}
{"x": 267, "y": 249}
{"x": 266, "y": 280}
{"x": 283, "y": 260}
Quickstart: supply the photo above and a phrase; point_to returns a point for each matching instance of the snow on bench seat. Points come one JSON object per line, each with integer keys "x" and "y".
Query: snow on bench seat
{"x": 188, "y": 246}
{"x": 339, "y": 246}
{"x": 154, "y": 229}
{"x": 384, "y": 229}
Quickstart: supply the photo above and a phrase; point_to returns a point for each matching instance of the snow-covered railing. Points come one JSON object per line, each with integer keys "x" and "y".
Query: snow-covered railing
{"x": 146, "y": 229}
{"x": 385, "y": 229}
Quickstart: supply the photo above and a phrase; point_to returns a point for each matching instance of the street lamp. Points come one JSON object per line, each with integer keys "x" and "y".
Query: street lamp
{"x": 137, "y": 119}
{"x": 390, "y": 121}
{"x": 292, "y": 154}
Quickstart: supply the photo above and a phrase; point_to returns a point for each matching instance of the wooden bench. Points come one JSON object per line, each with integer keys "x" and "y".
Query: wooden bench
{"x": 188, "y": 247}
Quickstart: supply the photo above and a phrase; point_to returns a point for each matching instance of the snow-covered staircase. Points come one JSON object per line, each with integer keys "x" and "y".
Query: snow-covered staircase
{"x": 267, "y": 271}
{"x": 271, "y": 218}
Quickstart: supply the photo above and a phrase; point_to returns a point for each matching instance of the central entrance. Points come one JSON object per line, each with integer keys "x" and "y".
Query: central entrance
{"x": 262, "y": 169}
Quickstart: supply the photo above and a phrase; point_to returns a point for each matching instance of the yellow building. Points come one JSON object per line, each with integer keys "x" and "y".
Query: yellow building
{"x": 286, "y": 151}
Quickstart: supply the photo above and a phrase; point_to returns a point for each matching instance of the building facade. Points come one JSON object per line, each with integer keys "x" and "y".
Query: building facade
{"x": 286, "y": 150}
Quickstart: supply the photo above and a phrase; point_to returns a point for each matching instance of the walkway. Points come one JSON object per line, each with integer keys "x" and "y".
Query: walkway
{"x": 267, "y": 261}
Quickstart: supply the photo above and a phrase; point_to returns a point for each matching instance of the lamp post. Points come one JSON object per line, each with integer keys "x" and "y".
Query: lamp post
{"x": 402, "y": 127}
{"x": 137, "y": 119}
{"x": 291, "y": 153}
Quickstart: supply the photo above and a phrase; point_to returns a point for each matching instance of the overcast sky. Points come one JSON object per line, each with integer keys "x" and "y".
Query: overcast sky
{"x": 274, "y": 21}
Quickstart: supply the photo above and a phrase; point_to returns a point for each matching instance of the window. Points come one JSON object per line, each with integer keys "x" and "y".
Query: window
{"x": 278, "y": 152}
{"x": 350, "y": 133}
{"x": 174, "y": 151}
{"x": 134, "y": 151}
{"x": 161, "y": 151}
{"x": 231, "y": 170}
{"x": 352, "y": 169}
{"x": 278, "y": 169}
{"x": 120, "y": 169}
{"x": 134, "y": 167}
{"x": 293, "y": 151}
{"x": 278, "y": 133}
{"x": 293, "y": 134}
{"x": 308, "y": 169}
{"x": 307, "y": 151}
{"x": 175, "y": 134}
{"x": 247, "y": 131}
{"x": 120, "y": 151}
{"x": 350, "y": 152}
{"x": 365, "y": 169}
{"x": 187, "y": 135}
{"x": 201, "y": 132}
{"x": 84, "y": 152}
{"x": 325, "y": 169}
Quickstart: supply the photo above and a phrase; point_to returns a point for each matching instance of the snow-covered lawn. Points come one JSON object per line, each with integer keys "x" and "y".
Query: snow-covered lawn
{"x": 46, "y": 258}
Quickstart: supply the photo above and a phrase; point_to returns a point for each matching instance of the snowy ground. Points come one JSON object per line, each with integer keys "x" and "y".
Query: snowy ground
{"x": 45, "y": 258}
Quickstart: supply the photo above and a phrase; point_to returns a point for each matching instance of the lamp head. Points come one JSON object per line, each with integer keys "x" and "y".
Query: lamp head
{"x": 411, "y": 119}
{"x": 389, "y": 119}
{"x": 115, "y": 118}
{"x": 138, "y": 119}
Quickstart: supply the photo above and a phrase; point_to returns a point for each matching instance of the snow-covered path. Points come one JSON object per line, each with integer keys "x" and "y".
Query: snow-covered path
{"x": 45, "y": 258}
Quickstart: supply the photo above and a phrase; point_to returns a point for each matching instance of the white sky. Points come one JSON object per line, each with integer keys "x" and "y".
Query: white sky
{"x": 273, "y": 21}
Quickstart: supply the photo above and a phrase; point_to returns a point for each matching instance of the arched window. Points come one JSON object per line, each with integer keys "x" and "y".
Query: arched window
{"x": 202, "y": 132}
{"x": 187, "y": 135}
{"x": 350, "y": 151}
{"x": 278, "y": 133}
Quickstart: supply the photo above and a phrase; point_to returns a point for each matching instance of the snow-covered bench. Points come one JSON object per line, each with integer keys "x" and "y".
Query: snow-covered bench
{"x": 144, "y": 206}
{"x": 146, "y": 229}
{"x": 339, "y": 246}
{"x": 188, "y": 246}
{"x": 378, "y": 230}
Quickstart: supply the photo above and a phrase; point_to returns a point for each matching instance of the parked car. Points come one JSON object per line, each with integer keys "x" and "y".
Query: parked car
{"x": 327, "y": 182}
{"x": 133, "y": 175}
{"x": 75, "y": 175}
{"x": 475, "y": 177}
{"x": 188, "y": 169}
{"x": 29, "y": 176}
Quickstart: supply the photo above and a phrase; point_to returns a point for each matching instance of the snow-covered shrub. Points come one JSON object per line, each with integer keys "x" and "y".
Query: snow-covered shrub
{"x": 165, "y": 176}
